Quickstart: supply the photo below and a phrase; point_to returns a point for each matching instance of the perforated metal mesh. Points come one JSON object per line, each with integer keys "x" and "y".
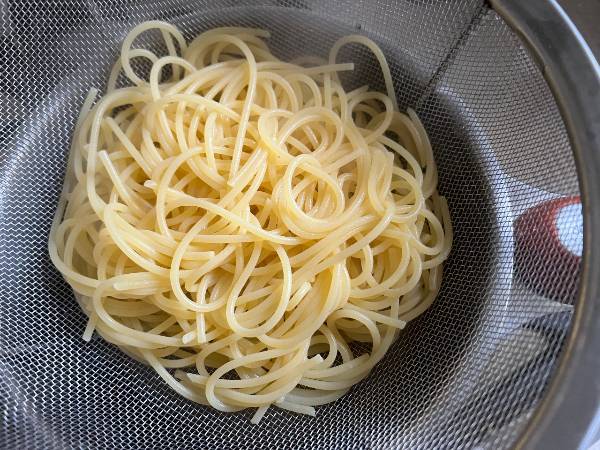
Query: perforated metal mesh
{"x": 468, "y": 373}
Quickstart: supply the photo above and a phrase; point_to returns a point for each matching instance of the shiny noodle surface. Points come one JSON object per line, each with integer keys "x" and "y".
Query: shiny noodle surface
{"x": 240, "y": 223}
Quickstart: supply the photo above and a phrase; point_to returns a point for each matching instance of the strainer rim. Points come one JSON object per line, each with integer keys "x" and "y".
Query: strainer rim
{"x": 568, "y": 415}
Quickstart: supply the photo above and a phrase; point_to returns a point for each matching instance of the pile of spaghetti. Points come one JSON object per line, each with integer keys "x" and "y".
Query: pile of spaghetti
{"x": 237, "y": 222}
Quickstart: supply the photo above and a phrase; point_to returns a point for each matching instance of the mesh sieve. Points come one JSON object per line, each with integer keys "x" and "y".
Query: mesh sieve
{"x": 470, "y": 372}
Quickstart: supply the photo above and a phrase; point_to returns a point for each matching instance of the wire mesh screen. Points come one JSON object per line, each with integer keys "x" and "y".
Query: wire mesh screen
{"x": 468, "y": 373}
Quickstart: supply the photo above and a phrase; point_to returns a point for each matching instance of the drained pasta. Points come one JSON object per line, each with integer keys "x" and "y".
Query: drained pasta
{"x": 239, "y": 222}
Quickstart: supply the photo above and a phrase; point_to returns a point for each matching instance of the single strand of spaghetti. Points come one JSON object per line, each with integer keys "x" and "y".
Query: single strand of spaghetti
{"x": 304, "y": 161}
{"x": 113, "y": 324}
{"x": 304, "y": 312}
{"x": 253, "y": 295}
{"x": 366, "y": 265}
{"x": 287, "y": 384}
{"x": 179, "y": 363}
{"x": 342, "y": 234}
{"x": 380, "y": 123}
{"x": 140, "y": 243}
{"x": 313, "y": 397}
{"x": 169, "y": 42}
{"x": 259, "y": 414}
{"x": 291, "y": 68}
{"x": 284, "y": 84}
{"x": 307, "y": 116}
{"x": 286, "y": 289}
{"x": 242, "y": 202}
{"x": 383, "y": 190}
{"x": 310, "y": 270}
{"x": 134, "y": 33}
{"x": 174, "y": 276}
{"x": 157, "y": 67}
{"x": 125, "y": 194}
{"x": 89, "y": 328}
{"x": 303, "y": 78}
{"x": 236, "y": 219}
{"x": 299, "y": 295}
{"x": 309, "y": 327}
{"x": 69, "y": 226}
{"x": 200, "y": 319}
{"x": 376, "y": 169}
{"x": 115, "y": 233}
{"x": 399, "y": 271}
{"x": 430, "y": 180}
{"x": 209, "y": 136}
{"x": 129, "y": 308}
{"x": 448, "y": 236}
{"x": 295, "y": 407}
{"x": 328, "y": 338}
{"x": 120, "y": 339}
{"x": 340, "y": 372}
{"x": 251, "y": 87}
{"x": 378, "y": 54}
{"x": 180, "y": 134}
{"x": 129, "y": 282}
{"x": 117, "y": 67}
{"x": 384, "y": 303}
{"x": 112, "y": 100}
{"x": 268, "y": 377}
{"x": 241, "y": 278}
{"x": 251, "y": 167}
{"x": 377, "y": 317}
{"x": 178, "y": 387}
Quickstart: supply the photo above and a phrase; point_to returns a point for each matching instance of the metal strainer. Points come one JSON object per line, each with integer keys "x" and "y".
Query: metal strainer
{"x": 511, "y": 101}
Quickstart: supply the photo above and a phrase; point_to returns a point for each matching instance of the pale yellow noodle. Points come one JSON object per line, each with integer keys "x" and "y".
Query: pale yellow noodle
{"x": 239, "y": 224}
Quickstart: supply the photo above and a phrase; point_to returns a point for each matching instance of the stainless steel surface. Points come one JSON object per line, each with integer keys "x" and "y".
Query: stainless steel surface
{"x": 574, "y": 75}
{"x": 471, "y": 372}
{"x": 585, "y": 15}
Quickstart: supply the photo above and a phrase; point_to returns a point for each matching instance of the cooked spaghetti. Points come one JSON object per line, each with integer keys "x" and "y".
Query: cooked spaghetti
{"x": 238, "y": 222}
